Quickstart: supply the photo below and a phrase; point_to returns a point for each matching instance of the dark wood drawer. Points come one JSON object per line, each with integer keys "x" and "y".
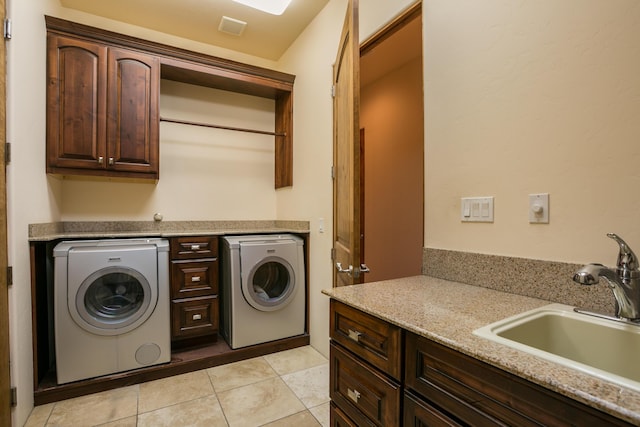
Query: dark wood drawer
{"x": 194, "y": 278}
{"x": 194, "y": 317}
{"x": 482, "y": 395}
{"x": 337, "y": 418}
{"x": 420, "y": 413}
{"x": 365, "y": 395}
{"x": 194, "y": 247}
{"x": 376, "y": 341}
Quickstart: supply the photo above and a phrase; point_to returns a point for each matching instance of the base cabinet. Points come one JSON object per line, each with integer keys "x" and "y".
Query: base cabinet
{"x": 365, "y": 365}
{"x": 419, "y": 413}
{"x": 194, "y": 289}
{"x": 436, "y": 385}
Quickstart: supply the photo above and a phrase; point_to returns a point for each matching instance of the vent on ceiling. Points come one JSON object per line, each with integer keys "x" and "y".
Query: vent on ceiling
{"x": 231, "y": 26}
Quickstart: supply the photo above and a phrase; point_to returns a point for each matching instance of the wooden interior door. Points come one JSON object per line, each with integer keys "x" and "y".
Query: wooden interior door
{"x": 347, "y": 231}
{"x": 5, "y": 380}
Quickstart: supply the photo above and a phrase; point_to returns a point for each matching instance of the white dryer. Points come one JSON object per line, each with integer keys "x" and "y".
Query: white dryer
{"x": 263, "y": 288}
{"x": 111, "y": 306}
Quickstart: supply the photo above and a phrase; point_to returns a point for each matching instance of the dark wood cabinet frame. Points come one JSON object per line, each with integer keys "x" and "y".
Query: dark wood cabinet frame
{"x": 190, "y": 355}
{"x": 195, "y": 68}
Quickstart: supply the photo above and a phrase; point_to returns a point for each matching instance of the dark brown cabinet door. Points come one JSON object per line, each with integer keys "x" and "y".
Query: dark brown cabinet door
{"x": 102, "y": 106}
{"x": 76, "y": 104}
{"x": 132, "y": 132}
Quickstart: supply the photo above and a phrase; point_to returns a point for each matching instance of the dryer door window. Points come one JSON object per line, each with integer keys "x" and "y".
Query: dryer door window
{"x": 113, "y": 299}
{"x": 271, "y": 285}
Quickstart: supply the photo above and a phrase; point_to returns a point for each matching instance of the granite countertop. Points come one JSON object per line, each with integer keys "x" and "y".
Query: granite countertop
{"x": 108, "y": 229}
{"x": 448, "y": 312}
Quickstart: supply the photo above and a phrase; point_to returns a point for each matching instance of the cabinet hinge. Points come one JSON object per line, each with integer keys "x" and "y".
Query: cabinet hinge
{"x": 9, "y": 276}
{"x": 6, "y": 28}
{"x": 333, "y": 91}
{"x": 13, "y": 396}
{"x": 7, "y": 153}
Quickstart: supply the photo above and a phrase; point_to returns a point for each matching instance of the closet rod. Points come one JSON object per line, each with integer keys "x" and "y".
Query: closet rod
{"x": 208, "y": 125}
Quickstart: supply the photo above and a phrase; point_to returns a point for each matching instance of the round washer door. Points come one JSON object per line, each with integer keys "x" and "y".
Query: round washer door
{"x": 113, "y": 301}
{"x": 270, "y": 285}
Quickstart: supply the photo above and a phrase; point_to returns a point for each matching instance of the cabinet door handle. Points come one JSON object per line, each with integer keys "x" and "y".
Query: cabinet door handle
{"x": 197, "y": 316}
{"x": 195, "y": 278}
{"x": 111, "y": 161}
{"x": 354, "y": 335}
{"x": 353, "y": 395}
{"x": 100, "y": 160}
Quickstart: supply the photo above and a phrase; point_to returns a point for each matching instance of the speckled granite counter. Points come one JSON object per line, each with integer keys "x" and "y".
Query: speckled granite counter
{"x": 107, "y": 229}
{"x": 448, "y": 312}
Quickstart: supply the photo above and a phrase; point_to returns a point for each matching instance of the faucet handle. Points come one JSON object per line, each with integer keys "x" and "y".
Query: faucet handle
{"x": 627, "y": 260}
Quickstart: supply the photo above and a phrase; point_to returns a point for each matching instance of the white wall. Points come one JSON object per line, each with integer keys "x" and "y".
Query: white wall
{"x": 538, "y": 96}
{"x": 205, "y": 173}
{"x": 520, "y": 97}
{"x": 36, "y": 198}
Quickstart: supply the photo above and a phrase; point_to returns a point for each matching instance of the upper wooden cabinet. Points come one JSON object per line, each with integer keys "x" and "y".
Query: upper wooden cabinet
{"x": 102, "y": 110}
{"x": 103, "y": 100}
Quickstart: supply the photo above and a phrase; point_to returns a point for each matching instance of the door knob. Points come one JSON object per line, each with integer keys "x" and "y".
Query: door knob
{"x": 354, "y": 272}
{"x": 344, "y": 270}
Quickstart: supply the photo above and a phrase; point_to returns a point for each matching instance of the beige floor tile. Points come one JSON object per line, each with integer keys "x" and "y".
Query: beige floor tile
{"x": 95, "y": 409}
{"x": 39, "y": 415}
{"x": 259, "y": 403}
{"x": 311, "y": 385}
{"x": 241, "y": 373}
{"x": 321, "y": 413}
{"x": 169, "y": 391}
{"x": 301, "y": 419}
{"x": 125, "y": 422}
{"x": 203, "y": 412}
{"x": 296, "y": 359}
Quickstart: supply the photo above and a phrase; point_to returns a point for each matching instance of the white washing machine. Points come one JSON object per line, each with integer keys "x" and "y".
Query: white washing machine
{"x": 263, "y": 288}
{"x": 111, "y": 306}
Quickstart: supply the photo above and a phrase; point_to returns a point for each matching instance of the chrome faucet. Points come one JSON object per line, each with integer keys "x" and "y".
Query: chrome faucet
{"x": 624, "y": 280}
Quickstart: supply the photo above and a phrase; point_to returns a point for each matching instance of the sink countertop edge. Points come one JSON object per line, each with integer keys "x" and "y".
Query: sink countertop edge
{"x": 448, "y": 313}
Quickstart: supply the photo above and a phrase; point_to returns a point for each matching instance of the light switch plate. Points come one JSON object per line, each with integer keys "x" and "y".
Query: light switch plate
{"x": 539, "y": 208}
{"x": 476, "y": 209}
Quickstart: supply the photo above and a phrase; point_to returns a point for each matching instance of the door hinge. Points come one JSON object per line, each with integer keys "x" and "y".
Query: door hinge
{"x": 7, "y": 153}
{"x": 13, "y": 396}
{"x": 333, "y": 173}
{"x": 9, "y": 276}
{"x": 333, "y": 254}
{"x": 333, "y": 91}
{"x": 6, "y": 28}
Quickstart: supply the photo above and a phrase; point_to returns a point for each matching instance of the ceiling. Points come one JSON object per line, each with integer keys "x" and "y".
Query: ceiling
{"x": 265, "y": 35}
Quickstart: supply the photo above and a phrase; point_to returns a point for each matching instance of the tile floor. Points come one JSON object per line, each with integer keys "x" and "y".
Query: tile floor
{"x": 290, "y": 388}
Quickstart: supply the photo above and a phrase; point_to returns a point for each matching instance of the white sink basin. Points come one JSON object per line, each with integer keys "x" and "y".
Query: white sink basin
{"x": 605, "y": 348}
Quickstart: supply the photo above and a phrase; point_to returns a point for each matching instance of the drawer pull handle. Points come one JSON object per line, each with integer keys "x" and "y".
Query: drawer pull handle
{"x": 353, "y": 395}
{"x": 195, "y": 247}
{"x": 354, "y": 335}
{"x": 195, "y": 278}
{"x": 197, "y": 317}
